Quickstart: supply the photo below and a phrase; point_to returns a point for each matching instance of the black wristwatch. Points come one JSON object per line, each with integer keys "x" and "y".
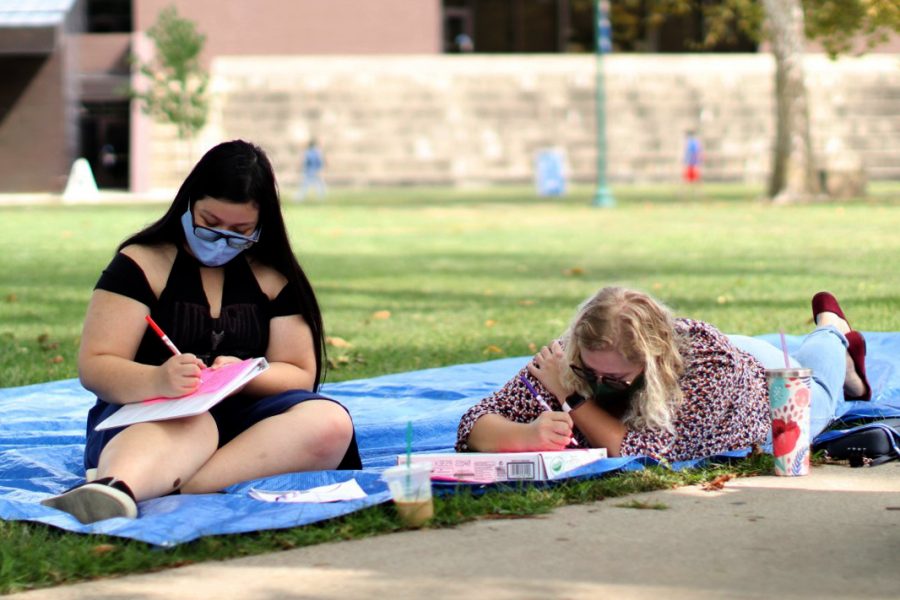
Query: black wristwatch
{"x": 572, "y": 402}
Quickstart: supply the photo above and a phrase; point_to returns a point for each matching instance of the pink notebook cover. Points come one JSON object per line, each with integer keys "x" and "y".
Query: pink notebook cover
{"x": 215, "y": 386}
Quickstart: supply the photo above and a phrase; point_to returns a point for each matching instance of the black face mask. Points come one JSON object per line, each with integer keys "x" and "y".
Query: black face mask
{"x": 613, "y": 401}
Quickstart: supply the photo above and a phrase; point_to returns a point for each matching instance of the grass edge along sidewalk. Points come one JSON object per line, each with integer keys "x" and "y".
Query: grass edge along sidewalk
{"x": 35, "y": 555}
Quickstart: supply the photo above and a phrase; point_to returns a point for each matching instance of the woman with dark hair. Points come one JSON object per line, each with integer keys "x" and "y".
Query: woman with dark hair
{"x": 630, "y": 377}
{"x": 218, "y": 274}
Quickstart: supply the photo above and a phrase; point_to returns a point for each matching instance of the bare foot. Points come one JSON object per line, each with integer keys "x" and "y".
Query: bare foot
{"x": 853, "y": 383}
{"x": 829, "y": 318}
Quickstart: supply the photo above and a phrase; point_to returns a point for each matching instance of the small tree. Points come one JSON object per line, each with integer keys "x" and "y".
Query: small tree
{"x": 177, "y": 82}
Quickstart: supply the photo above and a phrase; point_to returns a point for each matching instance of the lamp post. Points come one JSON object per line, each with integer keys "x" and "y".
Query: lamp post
{"x": 603, "y": 35}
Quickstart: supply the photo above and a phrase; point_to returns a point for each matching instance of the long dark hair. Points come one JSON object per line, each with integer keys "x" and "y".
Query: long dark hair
{"x": 239, "y": 172}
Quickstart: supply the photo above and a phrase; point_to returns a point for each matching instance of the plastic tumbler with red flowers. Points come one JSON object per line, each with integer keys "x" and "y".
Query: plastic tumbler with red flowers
{"x": 789, "y": 396}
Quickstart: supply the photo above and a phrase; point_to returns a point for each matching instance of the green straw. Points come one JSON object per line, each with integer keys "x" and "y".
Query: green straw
{"x": 408, "y": 442}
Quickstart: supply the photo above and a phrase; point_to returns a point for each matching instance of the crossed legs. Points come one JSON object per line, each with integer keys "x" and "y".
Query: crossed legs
{"x": 853, "y": 383}
{"x": 155, "y": 459}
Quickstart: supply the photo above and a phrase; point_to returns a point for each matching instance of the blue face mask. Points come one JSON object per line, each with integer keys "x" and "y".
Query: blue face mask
{"x": 214, "y": 247}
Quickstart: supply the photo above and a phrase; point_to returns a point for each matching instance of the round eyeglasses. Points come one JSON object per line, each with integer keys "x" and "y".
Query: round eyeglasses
{"x": 592, "y": 379}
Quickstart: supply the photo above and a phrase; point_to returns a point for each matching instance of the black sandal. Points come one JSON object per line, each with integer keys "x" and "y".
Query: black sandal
{"x": 105, "y": 498}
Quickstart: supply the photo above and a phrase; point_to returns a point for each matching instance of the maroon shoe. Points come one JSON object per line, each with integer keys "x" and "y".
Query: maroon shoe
{"x": 857, "y": 351}
{"x": 825, "y": 302}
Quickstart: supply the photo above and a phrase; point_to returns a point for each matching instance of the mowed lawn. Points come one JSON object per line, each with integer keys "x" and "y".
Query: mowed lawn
{"x": 418, "y": 278}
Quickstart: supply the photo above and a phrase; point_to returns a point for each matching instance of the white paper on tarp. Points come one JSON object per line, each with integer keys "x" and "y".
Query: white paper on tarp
{"x": 491, "y": 467}
{"x": 338, "y": 492}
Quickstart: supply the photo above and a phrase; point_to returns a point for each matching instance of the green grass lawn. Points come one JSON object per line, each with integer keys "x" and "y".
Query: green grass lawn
{"x": 417, "y": 278}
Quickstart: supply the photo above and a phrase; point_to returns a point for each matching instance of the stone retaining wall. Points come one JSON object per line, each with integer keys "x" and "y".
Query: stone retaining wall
{"x": 477, "y": 118}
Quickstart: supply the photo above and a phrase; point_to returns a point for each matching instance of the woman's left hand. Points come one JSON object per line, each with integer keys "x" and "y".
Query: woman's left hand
{"x": 547, "y": 367}
{"x": 221, "y": 361}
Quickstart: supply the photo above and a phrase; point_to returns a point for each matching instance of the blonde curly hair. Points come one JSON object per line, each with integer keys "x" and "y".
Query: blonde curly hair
{"x": 642, "y": 330}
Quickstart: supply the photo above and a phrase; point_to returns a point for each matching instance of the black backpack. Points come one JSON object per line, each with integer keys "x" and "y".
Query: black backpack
{"x": 869, "y": 444}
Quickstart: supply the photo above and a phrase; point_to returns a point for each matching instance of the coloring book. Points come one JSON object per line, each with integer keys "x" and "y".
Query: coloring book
{"x": 215, "y": 386}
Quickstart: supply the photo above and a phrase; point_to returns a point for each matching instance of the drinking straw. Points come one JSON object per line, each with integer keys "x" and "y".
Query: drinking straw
{"x": 408, "y": 453}
{"x": 408, "y": 442}
{"x": 787, "y": 360}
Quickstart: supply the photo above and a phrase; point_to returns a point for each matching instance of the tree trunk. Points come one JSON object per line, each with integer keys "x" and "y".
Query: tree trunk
{"x": 793, "y": 177}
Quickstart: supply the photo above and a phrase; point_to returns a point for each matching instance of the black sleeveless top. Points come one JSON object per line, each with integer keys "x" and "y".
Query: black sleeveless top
{"x": 182, "y": 309}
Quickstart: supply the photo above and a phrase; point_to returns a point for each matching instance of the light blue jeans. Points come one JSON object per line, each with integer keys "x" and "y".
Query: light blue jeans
{"x": 825, "y": 352}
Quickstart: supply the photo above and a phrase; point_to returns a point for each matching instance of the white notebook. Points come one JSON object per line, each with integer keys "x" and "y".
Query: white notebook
{"x": 215, "y": 386}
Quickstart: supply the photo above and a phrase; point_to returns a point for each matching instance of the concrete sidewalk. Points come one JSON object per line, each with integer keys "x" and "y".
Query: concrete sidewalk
{"x": 833, "y": 534}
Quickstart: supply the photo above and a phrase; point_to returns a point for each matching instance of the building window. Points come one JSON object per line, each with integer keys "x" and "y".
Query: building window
{"x": 523, "y": 26}
{"x": 109, "y": 16}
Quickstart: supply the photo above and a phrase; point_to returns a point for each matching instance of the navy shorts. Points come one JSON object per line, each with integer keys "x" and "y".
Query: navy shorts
{"x": 233, "y": 416}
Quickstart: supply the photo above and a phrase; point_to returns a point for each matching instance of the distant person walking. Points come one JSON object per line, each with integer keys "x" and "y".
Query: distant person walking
{"x": 693, "y": 157}
{"x": 464, "y": 43}
{"x": 313, "y": 163}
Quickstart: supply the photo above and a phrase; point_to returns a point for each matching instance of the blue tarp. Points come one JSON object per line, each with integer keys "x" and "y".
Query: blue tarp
{"x": 42, "y": 440}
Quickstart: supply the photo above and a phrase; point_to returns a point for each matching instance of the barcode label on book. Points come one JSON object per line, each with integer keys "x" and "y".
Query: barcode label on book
{"x": 520, "y": 470}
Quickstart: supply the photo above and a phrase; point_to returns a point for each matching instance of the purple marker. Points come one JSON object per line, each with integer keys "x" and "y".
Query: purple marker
{"x": 534, "y": 392}
{"x": 540, "y": 400}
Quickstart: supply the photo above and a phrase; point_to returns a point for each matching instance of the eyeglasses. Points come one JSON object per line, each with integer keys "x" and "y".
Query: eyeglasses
{"x": 234, "y": 240}
{"x": 591, "y": 378}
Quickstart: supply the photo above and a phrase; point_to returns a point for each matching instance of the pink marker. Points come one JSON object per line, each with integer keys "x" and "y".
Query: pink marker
{"x": 162, "y": 336}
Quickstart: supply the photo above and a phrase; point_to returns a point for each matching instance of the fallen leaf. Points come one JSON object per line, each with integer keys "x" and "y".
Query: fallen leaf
{"x": 101, "y": 549}
{"x": 43, "y": 338}
{"x": 338, "y": 342}
{"x": 334, "y": 362}
{"x": 532, "y": 347}
{"x": 381, "y": 315}
{"x": 573, "y": 272}
{"x": 492, "y": 349}
{"x": 490, "y": 323}
{"x": 11, "y": 298}
{"x": 56, "y": 359}
{"x": 718, "y": 483}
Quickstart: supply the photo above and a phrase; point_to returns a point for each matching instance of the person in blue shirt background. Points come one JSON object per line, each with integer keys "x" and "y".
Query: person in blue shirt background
{"x": 693, "y": 157}
{"x": 313, "y": 163}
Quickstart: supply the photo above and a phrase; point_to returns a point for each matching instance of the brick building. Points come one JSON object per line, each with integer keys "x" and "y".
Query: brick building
{"x": 394, "y": 100}
{"x": 65, "y": 68}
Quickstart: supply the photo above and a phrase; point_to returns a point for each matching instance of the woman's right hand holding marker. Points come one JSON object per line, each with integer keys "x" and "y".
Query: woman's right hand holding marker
{"x": 552, "y": 430}
{"x": 178, "y": 376}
